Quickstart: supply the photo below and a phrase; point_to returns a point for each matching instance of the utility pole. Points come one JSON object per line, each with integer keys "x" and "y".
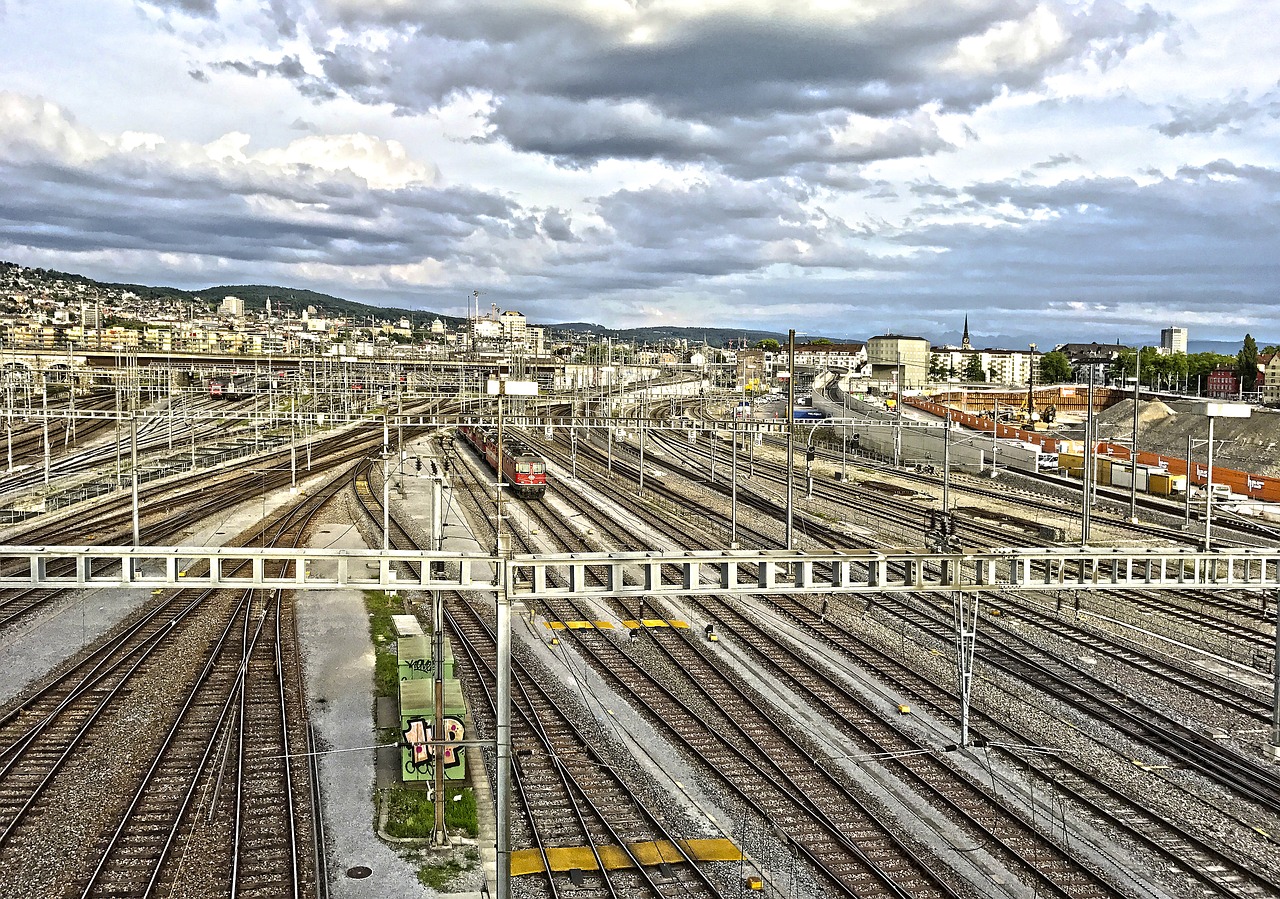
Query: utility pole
{"x": 966, "y": 617}
{"x": 1031, "y": 396}
{"x": 1186, "y": 492}
{"x": 1087, "y": 474}
{"x": 1133, "y": 447}
{"x": 733, "y": 493}
{"x": 44, "y": 405}
{"x": 791, "y": 427}
{"x": 441, "y": 836}
{"x": 897, "y": 429}
{"x": 946, "y": 464}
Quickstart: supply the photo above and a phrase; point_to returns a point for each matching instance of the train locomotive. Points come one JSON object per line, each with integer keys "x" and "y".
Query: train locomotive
{"x": 522, "y": 468}
{"x": 224, "y": 387}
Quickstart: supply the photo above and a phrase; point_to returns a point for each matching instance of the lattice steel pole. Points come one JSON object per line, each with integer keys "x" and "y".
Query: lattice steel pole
{"x": 1274, "y": 749}
{"x": 791, "y": 427}
{"x": 503, "y": 713}
{"x": 966, "y": 618}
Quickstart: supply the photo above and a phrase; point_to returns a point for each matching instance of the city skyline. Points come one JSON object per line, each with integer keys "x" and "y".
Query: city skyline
{"x": 1057, "y": 171}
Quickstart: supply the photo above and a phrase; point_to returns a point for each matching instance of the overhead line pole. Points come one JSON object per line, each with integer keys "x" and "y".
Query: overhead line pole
{"x": 791, "y": 427}
{"x": 1133, "y": 447}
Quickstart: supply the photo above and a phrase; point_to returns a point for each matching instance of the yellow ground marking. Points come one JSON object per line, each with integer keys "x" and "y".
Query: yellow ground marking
{"x": 529, "y": 861}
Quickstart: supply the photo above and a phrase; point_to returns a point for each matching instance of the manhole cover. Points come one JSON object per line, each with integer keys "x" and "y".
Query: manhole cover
{"x": 359, "y": 872}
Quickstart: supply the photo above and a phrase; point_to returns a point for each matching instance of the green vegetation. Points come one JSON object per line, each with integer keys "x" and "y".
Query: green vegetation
{"x": 1247, "y": 363}
{"x": 1173, "y": 368}
{"x": 440, "y": 875}
{"x": 1055, "y": 368}
{"x": 410, "y": 814}
{"x": 973, "y": 371}
{"x": 602, "y": 352}
{"x": 381, "y": 607}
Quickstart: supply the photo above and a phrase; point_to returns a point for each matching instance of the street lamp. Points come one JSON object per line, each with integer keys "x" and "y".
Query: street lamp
{"x": 1212, "y": 411}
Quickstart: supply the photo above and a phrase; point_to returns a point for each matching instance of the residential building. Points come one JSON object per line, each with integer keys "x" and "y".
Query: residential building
{"x": 751, "y": 368}
{"x": 90, "y": 315}
{"x": 1223, "y": 383}
{"x": 823, "y": 356}
{"x": 1095, "y": 356}
{"x": 1270, "y": 379}
{"x": 233, "y": 306}
{"x": 999, "y": 366}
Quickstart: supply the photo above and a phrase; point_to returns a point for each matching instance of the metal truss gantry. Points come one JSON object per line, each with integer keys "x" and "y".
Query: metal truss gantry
{"x": 657, "y": 573}
{"x": 508, "y": 578}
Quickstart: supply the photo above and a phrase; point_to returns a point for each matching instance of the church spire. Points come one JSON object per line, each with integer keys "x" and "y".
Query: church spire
{"x": 964, "y": 341}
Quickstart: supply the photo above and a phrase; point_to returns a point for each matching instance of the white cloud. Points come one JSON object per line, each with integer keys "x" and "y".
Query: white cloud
{"x": 852, "y": 164}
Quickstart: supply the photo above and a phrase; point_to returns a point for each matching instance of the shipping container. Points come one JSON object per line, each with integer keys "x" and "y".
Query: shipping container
{"x": 1122, "y": 475}
{"x": 1103, "y": 472}
{"x": 1165, "y": 484}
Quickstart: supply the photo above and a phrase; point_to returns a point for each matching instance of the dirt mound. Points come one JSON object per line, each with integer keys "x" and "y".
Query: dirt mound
{"x": 1149, "y": 413}
{"x": 1247, "y": 444}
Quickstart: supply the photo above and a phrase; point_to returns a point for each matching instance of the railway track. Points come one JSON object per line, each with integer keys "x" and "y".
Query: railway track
{"x": 1200, "y": 858}
{"x": 840, "y": 836}
{"x": 170, "y": 809}
{"x": 570, "y": 794}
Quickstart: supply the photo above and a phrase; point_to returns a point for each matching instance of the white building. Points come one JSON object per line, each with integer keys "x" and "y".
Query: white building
{"x": 230, "y": 305}
{"x": 998, "y": 366}
{"x": 1173, "y": 340}
{"x": 894, "y": 355}
{"x": 850, "y": 356}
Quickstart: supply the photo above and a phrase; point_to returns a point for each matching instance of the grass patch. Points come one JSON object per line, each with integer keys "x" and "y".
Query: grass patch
{"x": 438, "y": 876}
{"x": 411, "y": 814}
{"x": 382, "y": 632}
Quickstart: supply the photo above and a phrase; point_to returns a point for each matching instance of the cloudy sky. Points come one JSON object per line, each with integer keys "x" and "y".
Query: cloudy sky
{"x": 1057, "y": 170}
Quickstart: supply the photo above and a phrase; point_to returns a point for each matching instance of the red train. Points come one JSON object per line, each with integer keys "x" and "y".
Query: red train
{"x": 521, "y": 467}
{"x": 222, "y": 387}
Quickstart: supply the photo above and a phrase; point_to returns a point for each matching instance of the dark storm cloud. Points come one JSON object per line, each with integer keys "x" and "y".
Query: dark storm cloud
{"x": 207, "y": 9}
{"x": 1201, "y": 241}
{"x": 71, "y": 210}
{"x": 68, "y": 191}
{"x": 1230, "y": 115}
{"x": 557, "y": 225}
{"x": 577, "y": 135}
{"x": 749, "y": 90}
{"x": 289, "y": 67}
{"x": 1058, "y": 159}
